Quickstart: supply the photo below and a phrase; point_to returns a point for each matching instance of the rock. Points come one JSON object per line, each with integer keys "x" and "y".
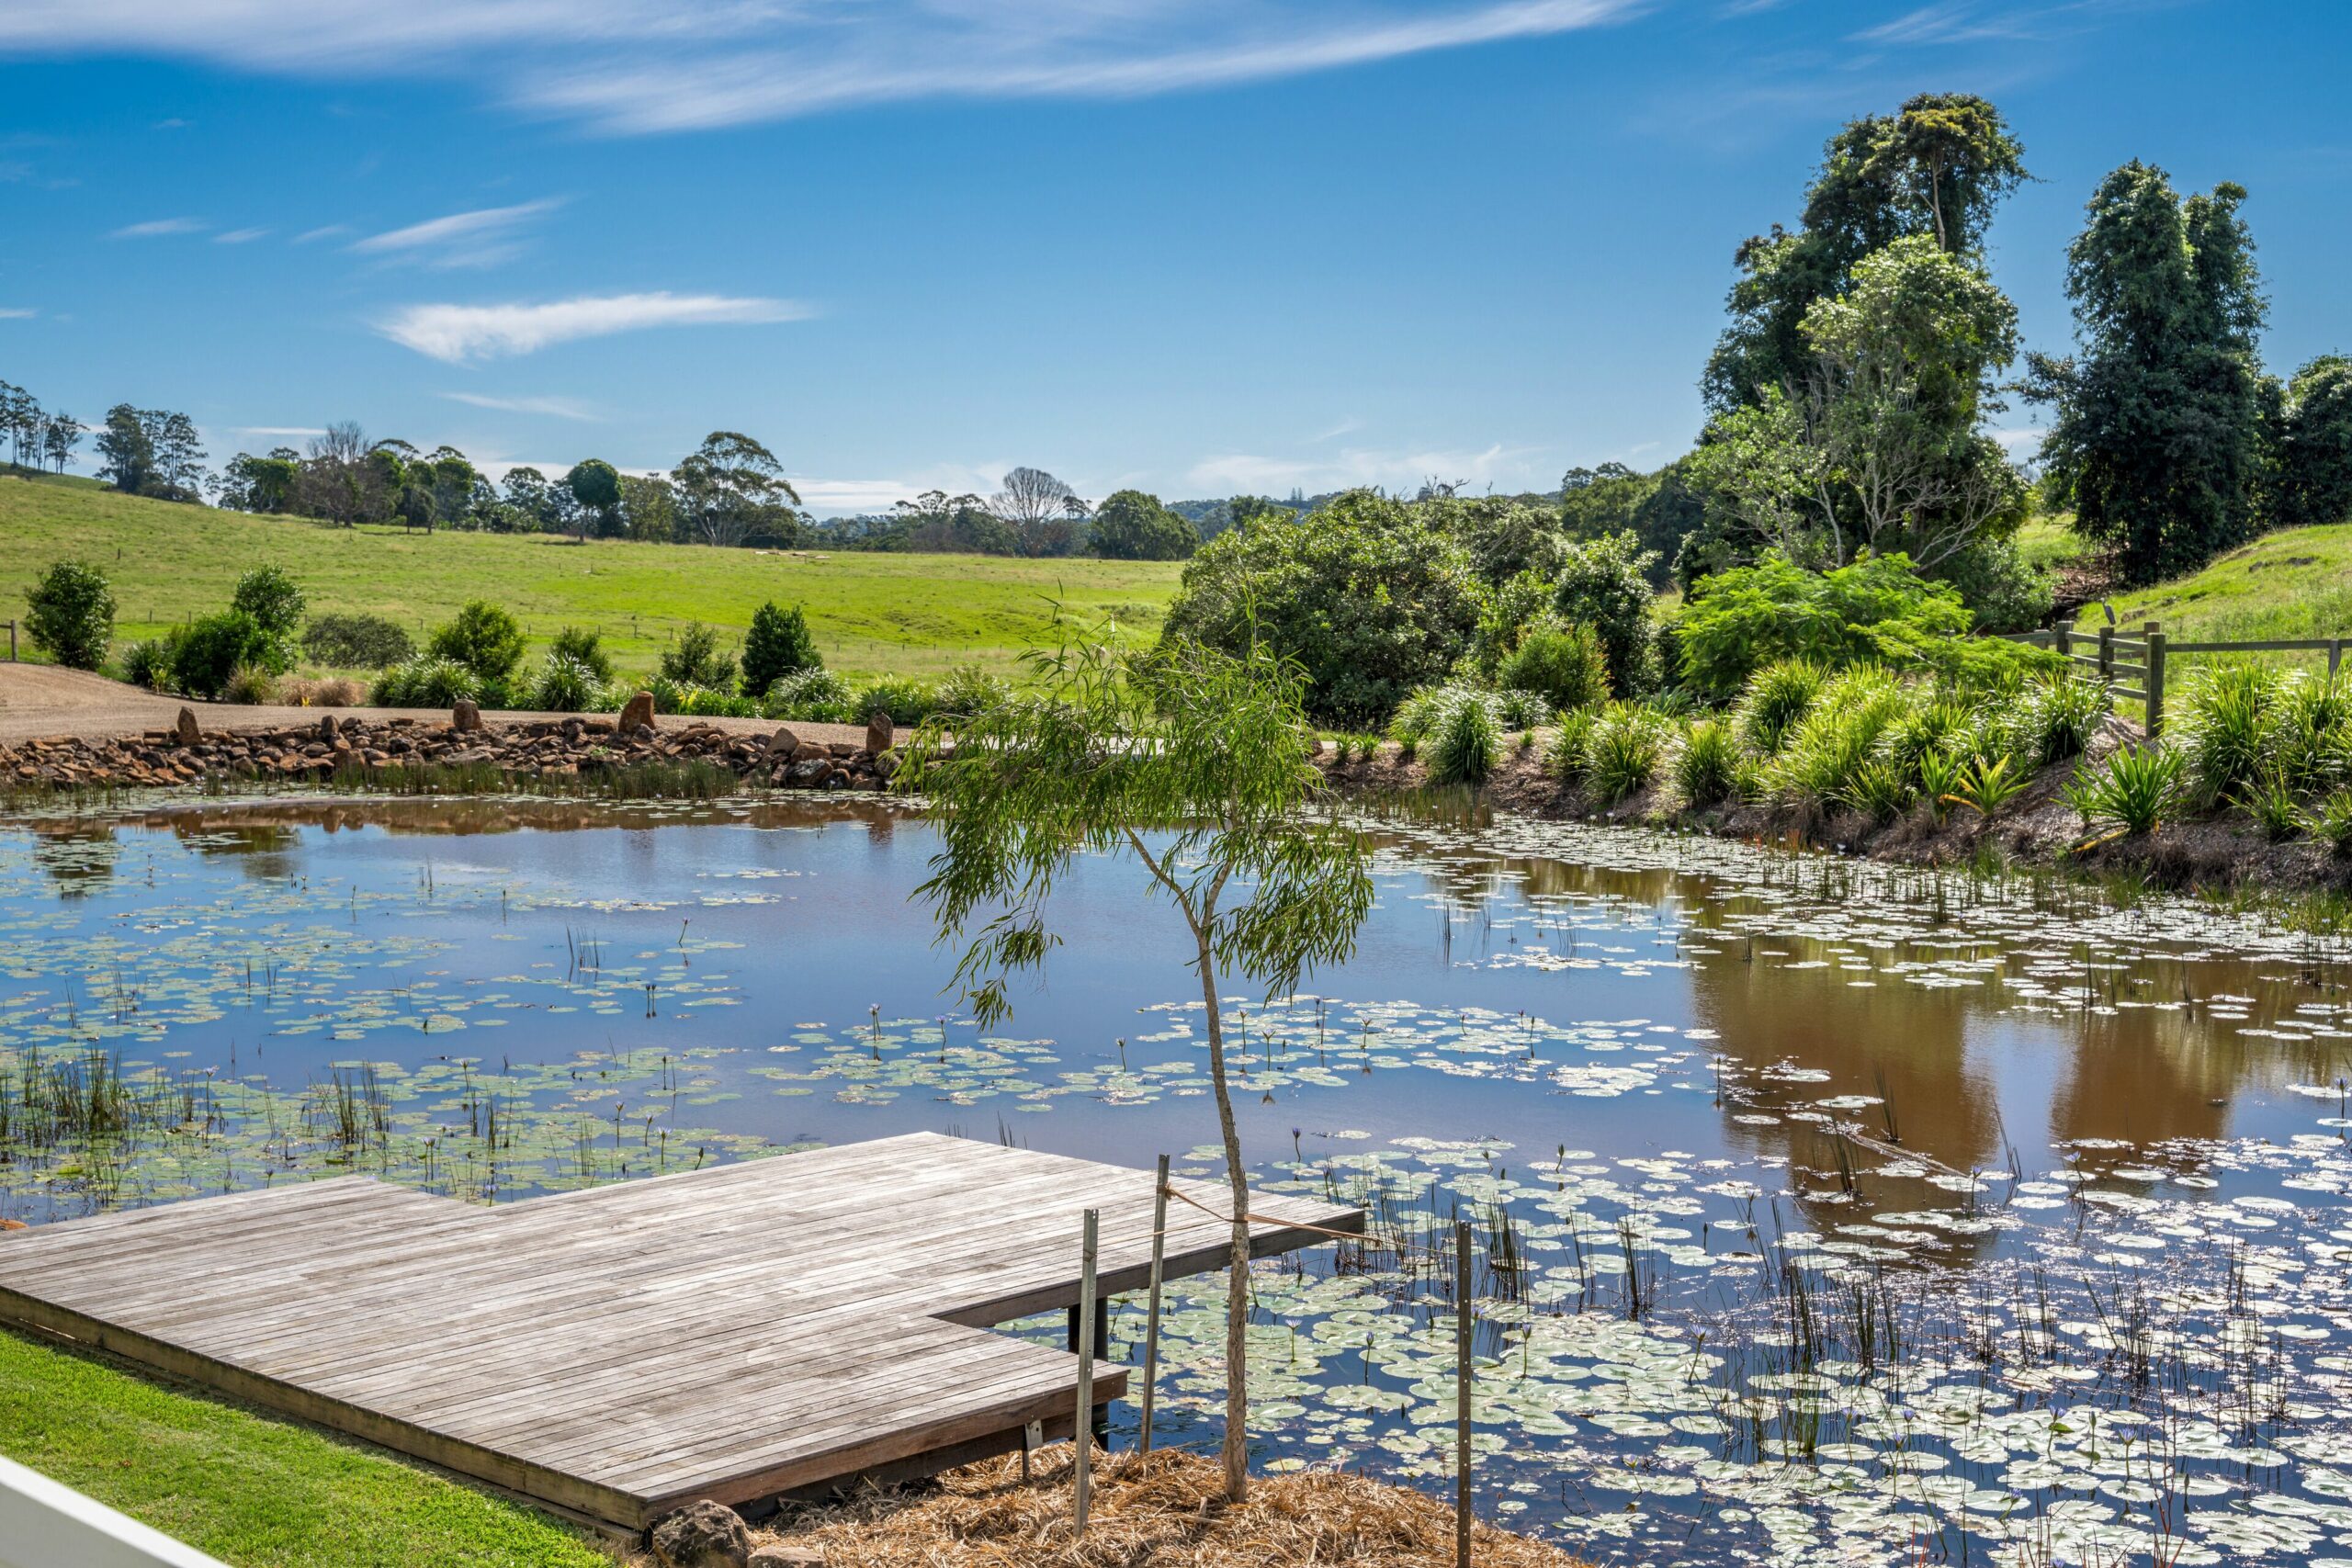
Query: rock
{"x": 880, "y": 732}
{"x": 781, "y": 746}
{"x": 465, "y": 718}
{"x": 185, "y": 730}
{"x": 810, "y": 773}
{"x": 328, "y": 729}
{"x": 886, "y": 764}
{"x": 636, "y": 713}
{"x": 703, "y": 1534}
{"x": 782, "y": 1554}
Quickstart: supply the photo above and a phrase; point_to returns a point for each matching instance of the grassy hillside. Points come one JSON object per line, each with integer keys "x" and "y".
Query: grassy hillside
{"x": 873, "y": 615}
{"x": 2293, "y": 583}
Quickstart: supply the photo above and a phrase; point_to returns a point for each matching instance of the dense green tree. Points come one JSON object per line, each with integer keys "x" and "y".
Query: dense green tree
{"x": 650, "y": 509}
{"x": 778, "y": 644}
{"x": 526, "y": 489}
{"x": 595, "y": 486}
{"x": 1937, "y": 167}
{"x": 2315, "y": 444}
{"x": 126, "y": 451}
{"x": 1604, "y": 584}
{"x": 484, "y": 638}
{"x": 731, "y": 491}
{"x": 264, "y": 484}
{"x": 961, "y": 523}
{"x": 1503, "y": 535}
{"x": 59, "y": 438}
{"x": 1368, "y": 595}
{"x": 69, "y": 614}
{"x": 2159, "y": 436}
{"x": 1131, "y": 525}
{"x": 274, "y": 601}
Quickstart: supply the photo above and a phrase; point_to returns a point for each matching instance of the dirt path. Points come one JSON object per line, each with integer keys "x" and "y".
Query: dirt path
{"x": 40, "y": 700}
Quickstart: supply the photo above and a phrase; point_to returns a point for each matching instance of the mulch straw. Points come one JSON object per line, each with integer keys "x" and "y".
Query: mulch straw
{"x": 1163, "y": 1511}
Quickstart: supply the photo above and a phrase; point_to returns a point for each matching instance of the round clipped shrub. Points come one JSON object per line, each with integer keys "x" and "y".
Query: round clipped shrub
{"x": 1561, "y": 661}
{"x": 211, "y": 649}
{"x": 356, "y": 641}
{"x": 69, "y": 614}
{"x": 484, "y": 639}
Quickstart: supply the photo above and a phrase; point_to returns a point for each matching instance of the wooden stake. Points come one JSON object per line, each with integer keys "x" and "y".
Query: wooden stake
{"x": 1463, "y": 1323}
{"x": 1082, "y": 1429}
{"x": 1151, "y": 1315}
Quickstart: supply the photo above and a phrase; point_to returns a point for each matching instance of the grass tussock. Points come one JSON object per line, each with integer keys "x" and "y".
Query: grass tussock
{"x": 1160, "y": 1511}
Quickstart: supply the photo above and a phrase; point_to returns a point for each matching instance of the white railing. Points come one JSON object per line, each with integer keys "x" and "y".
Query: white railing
{"x": 45, "y": 1524}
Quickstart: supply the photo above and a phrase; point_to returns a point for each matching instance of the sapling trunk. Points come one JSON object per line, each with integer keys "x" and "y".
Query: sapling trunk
{"x": 1237, "y": 1300}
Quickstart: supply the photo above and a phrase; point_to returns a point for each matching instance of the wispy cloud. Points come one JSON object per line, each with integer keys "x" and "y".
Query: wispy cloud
{"x": 1512, "y": 467}
{"x": 276, "y": 430}
{"x": 239, "y": 236}
{"x": 1971, "y": 21}
{"x": 460, "y": 332}
{"x": 16, "y": 313}
{"x": 644, "y": 65}
{"x": 155, "y": 228}
{"x": 325, "y": 232}
{"x": 479, "y": 238}
{"x": 558, "y": 408}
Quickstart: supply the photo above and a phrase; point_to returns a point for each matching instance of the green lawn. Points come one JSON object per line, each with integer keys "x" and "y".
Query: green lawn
{"x": 873, "y": 615}
{"x": 253, "y": 1491}
{"x": 2293, "y": 583}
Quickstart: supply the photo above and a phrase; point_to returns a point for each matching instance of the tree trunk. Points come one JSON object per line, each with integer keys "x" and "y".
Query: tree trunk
{"x": 1236, "y": 1303}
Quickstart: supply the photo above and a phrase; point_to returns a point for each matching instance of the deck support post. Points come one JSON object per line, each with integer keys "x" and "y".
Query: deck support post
{"x": 1082, "y": 1429}
{"x": 1151, "y": 1311}
{"x": 2154, "y": 681}
{"x": 1463, "y": 1325}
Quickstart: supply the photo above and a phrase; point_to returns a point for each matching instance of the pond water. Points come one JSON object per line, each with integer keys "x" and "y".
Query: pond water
{"x": 1825, "y": 1213}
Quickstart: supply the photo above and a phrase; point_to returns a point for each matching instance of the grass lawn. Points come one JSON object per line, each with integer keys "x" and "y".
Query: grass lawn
{"x": 873, "y": 615}
{"x": 253, "y": 1491}
{"x": 2293, "y": 583}
{"x": 2049, "y": 540}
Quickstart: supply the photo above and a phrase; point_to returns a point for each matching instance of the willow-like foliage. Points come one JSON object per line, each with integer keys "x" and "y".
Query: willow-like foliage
{"x": 1194, "y": 761}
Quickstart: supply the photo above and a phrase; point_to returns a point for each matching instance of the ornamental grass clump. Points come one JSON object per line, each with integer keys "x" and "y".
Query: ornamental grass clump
{"x": 1707, "y": 767}
{"x": 1780, "y": 695}
{"x": 567, "y": 684}
{"x": 2132, "y": 792}
{"x": 1464, "y": 741}
{"x": 1823, "y": 752}
{"x": 425, "y": 683}
{"x": 2060, "y": 713}
{"x": 1624, "y": 751}
{"x": 1566, "y": 757}
{"x": 2225, "y": 728}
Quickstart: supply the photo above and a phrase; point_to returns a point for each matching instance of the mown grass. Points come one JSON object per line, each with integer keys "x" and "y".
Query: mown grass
{"x": 873, "y": 615}
{"x": 2293, "y": 583}
{"x": 253, "y": 1491}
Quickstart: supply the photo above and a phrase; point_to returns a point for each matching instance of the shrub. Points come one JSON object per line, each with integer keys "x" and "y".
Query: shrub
{"x": 585, "y": 648}
{"x": 1921, "y": 730}
{"x": 1560, "y": 660}
{"x": 1740, "y": 620}
{"x": 274, "y": 599}
{"x": 1419, "y": 712}
{"x": 1823, "y": 753}
{"x": 1879, "y": 790}
{"x": 567, "y": 684}
{"x": 69, "y": 614}
{"x": 1775, "y": 700}
{"x": 2003, "y": 590}
{"x": 149, "y": 664}
{"x": 1989, "y": 783}
{"x": 2273, "y": 807}
{"x": 2330, "y": 822}
{"x": 1523, "y": 603}
{"x": 1604, "y": 584}
{"x": 334, "y": 691}
{"x": 907, "y": 702}
{"x": 698, "y": 702}
{"x": 252, "y": 685}
{"x": 813, "y": 696}
{"x": 429, "y": 682}
{"x": 1518, "y": 709}
{"x": 2134, "y": 791}
{"x": 2061, "y": 714}
{"x": 1368, "y": 595}
{"x": 210, "y": 651}
{"x": 1464, "y": 742}
{"x": 969, "y": 691}
{"x": 1705, "y": 769}
{"x": 2311, "y": 732}
{"x": 1624, "y": 751}
{"x": 694, "y": 659}
{"x": 484, "y": 639}
{"x": 1941, "y": 774}
{"x": 778, "y": 644}
{"x": 347, "y": 640}
{"x": 2225, "y": 728}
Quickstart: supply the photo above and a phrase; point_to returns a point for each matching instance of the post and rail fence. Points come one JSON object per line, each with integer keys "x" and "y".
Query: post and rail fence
{"x": 2119, "y": 655}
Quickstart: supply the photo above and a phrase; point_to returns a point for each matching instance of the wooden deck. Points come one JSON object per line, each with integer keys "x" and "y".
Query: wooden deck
{"x": 732, "y": 1333}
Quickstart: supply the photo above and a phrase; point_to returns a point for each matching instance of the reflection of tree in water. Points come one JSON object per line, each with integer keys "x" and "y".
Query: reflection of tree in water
{"x": 465, "y": 816}
{"x": 79, "y": 856}
{"x": 265, "y": 848}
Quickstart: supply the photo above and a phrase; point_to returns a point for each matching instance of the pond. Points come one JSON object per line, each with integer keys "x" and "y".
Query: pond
{"x": 1826, "y": 1211}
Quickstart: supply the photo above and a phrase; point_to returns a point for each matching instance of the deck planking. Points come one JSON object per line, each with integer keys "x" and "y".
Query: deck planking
{"x": 732, "y": 1333}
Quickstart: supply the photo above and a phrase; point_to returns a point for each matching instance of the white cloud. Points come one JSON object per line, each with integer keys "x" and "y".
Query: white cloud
{"x": 561, "y": 408}
{"x": 239, "y": 236}
{"x": 155, "y": 227}
{"x": 327, "y": 231}
{"x": 647, "y": 65}
{"x": 16, "y": 313}
{"x": 461, "y": 239}
{"x": 281, "y": 430}
{"x": 1504, "y": 467}
{"x": 853, "y": 497}
{"x": 459, "y": 332}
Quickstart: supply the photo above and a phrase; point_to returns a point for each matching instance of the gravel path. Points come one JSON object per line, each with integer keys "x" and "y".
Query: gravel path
{"x": 40, "y": 700}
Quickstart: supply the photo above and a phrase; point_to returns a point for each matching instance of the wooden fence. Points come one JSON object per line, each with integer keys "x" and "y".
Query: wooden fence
{"x": 2119, "y": 654}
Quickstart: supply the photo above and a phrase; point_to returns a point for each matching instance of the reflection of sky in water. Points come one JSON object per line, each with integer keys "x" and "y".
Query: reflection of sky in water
{"x": 1742, "y": 1091}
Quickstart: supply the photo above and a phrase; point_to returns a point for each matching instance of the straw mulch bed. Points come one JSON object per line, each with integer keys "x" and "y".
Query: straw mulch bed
{"x": 1158, "y": 1512}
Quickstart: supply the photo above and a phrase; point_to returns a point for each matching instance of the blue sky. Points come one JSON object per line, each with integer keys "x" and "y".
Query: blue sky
{"x": 1199, "y": 248}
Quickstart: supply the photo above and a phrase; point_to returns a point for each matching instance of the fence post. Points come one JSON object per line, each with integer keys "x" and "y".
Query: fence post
{"x": 1463, "y": 1325}
{"x": 2155, "y": 632}
{"x": 1083, "y": 1426}
{"x": 2335, "y": 649}
{"x": 2062, "y": 639}
{"x": 2107, "y": 653}
{"x": 1151, "y": 1313}
{"x": 12, "y": 644}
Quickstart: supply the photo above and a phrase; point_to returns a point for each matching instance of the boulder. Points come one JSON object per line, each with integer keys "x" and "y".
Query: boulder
{"x": 880, "y": 732}
{"x": 703, "y": 1534}
{"x": 637, "y": 713}
{"x": 809, "y": 773}
{"x": 783, "y": 1555}
{"x": 781, "y": 746}
{"x": 465, "y": 718}
{"x": 328, "y": 729}
{"x": 186, "y": 729}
